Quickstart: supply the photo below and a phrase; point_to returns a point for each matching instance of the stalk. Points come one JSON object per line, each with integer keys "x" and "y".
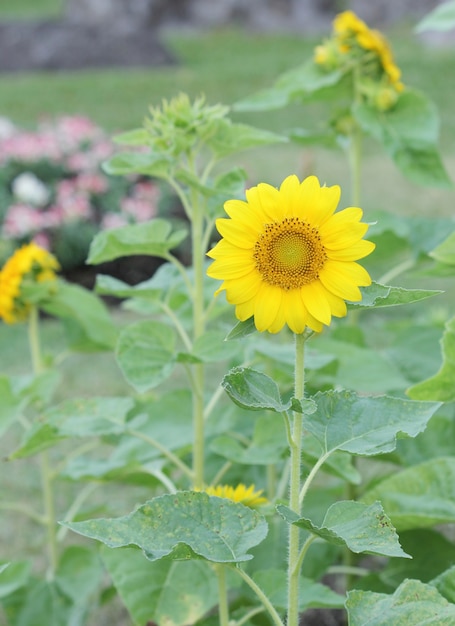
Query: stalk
{"x": 45, "y": 470}
{"x": 294, "y": 486}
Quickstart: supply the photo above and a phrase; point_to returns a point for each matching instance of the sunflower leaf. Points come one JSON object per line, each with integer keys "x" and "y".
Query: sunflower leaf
{"x": 404, "y": 495}
{"x": 413, "y": 602}
{"x": 440, "y": 386}
{"x": 377, "y": 295}
{"x": 242, "y": 329}
{"x": 154, "y": 238}
{"x": 365, "y": 425}
{"x": 145, "y": 354}
{"x": 253, "y": 390}
{"x": 361, "y": 528}
{"x": 184, "y": 525}
{"x": 177, "y": 593}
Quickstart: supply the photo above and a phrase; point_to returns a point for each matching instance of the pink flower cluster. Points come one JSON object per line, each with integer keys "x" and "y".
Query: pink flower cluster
{"x": 76, "y": 148}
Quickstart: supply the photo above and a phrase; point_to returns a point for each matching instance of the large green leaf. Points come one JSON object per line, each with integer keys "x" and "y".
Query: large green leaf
{"x": 418, "y": 496}
{"x": 441, "y": 18}
{"x": 412, "y": 603}
{"x": 154, "y": 238}
{"x": 173, "y": 593}
{"x": 445, "y": 252}
{"x": 365, "y": 425}
{"x": 87, "y": 320}
{"x": 445, "y": 584}
{"x": 307, "y": 79}
{"x": 431, "y": 555}
{"x": 232, "y": 138}
{"x": 146, "y": 163}
{"x": 10, "y": 405}
{"x": 377, "y": 295}
{"x": 409, "y": 133}
{"x": 79, "y": 574}
{"x": 273, "y": 583}
{"x": 145, "y": 354}
{"x": 269, "y": 443}
{"x": 13, "y": 576}
{"x": 182, "y": 526}
{"x": 361, "y": 528}
{"x": 256, "y": 391}
{"x": 440, "y": 386}
{"x": 78, "y": 417}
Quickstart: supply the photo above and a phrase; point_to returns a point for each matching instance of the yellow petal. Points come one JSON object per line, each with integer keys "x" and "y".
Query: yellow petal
{"x": 245, "y": 213}
{"x": 236, "y": 234}
{"x": 295, "y": 310}
{"x": 337, "y": 304}
{"x": 317, "y": 203}
{"x": 315, "y": 299}
{"x": 244, "y": 288}
{"x": 266, "y": 306}
{"x": 343, "y": 279}
{"x": 354, "y": 252}
{"x": 245, "y": 310}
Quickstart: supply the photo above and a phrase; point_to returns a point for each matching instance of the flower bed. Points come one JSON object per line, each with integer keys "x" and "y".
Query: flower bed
{"x": 54, "y": 192}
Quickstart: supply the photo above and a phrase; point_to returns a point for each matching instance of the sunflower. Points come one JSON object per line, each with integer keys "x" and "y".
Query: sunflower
{"x": 286, "y": 257}
{"x": 28, "y": 263}
{"x": 245, "y": 495}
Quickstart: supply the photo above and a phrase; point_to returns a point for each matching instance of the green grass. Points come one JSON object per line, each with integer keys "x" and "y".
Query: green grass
{"x": 29, "y": 9}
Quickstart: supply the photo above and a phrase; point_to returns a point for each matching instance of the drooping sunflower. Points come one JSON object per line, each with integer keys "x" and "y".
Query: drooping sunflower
{"x": 286, "y": 257}
{"x": 246, "y": 495}
{"x": 28, "y": 263}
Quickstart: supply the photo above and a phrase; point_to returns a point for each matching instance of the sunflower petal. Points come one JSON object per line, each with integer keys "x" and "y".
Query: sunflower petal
{"x": 243, "y": 288}
{"x": 236, "y": 234}
{"x": 295, "y": 310}
{"x": 343, "y": 279}
{"x": 354, "y": 252}
{"x": 315, "y": 299}
{"x": 266, "y": 306}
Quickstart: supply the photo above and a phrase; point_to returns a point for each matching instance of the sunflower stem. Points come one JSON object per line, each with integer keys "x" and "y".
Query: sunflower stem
{"x": 223, "y": 606}
{"x": 294, "y": 486}
{"x": 198, "y": 329}
{"x": 45, "y": 469}
{"x": 355, "y": 161}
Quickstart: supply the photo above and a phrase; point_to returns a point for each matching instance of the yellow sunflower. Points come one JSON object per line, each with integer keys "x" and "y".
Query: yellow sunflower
{"x": 286, "y": 257}
{"x": 30, "y": 262}
{"x": 246, "y": 495}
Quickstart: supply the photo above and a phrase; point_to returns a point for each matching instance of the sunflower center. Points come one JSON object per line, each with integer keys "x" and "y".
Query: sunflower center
{"x": 289, "y": 254}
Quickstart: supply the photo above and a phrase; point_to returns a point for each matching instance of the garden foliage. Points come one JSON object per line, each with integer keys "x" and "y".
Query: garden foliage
{"x": 347, "y": 434}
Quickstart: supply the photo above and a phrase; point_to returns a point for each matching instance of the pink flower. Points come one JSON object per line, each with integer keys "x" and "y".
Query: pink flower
{"x": 91, "y": 183}
{"x": 43, "y": 240}
{"x": 21, "y": 220}
{"x": 140, "y": 210}
{"x": 113, "y": 220}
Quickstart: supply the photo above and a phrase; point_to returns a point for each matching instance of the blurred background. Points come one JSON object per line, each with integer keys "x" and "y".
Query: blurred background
{"x": 73, "y": 73}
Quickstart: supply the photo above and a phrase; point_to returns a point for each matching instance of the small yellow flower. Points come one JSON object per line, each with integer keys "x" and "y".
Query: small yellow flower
{"x": 347, "y": 23}
{"x": 355, "y": 39}
{"x": 28, "y": 263}
{"x": 286, "y": 257}
{"x": 245, "y": 495}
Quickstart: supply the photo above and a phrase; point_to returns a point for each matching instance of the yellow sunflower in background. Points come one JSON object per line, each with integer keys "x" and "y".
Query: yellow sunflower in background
{"x": 286, "y": 257}
{"x": 245, "y": 495}
{"x": 30, "y": 262}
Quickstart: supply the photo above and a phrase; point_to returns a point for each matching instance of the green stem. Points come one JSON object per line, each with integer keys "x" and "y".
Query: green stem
{"x": 271, "y": 481}
{"x": 310, "y": 477}
{"x": 46, "y": 473}
{"x": 223, "y": 606}
{"x": 261, "y": 595}
{"x": 396, "y": 271}
{"x": 249, "y": 615}
{"x": 303, "y": 552}
{"x": 294, "y": 486}
{"x": 23, "y": 508}
{"x": 48, "y": 498}
{"x": 75, "y": 507}
{"x": 198, "y": 330}
{"x": 164, "y": 451}
{"x": 355, "y": 160}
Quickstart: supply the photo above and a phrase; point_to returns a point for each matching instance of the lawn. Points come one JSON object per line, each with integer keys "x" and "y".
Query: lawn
{"x": 123, "y": 395}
